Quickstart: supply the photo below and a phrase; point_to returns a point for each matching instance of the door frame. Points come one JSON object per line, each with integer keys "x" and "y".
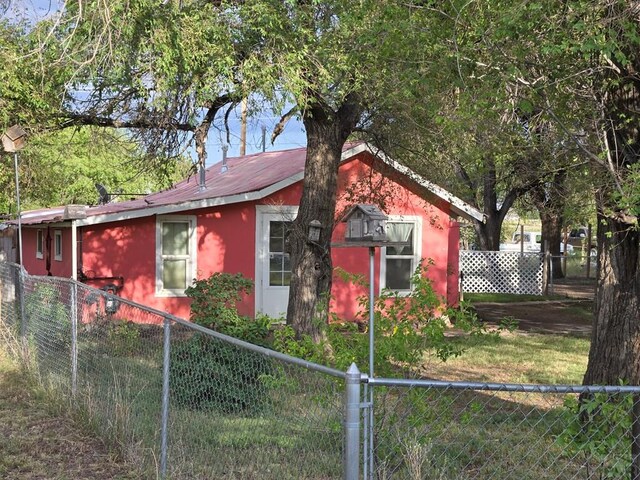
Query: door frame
{"x": 266, "y": 212}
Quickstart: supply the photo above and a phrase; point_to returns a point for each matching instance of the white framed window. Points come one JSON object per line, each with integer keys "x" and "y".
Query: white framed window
{"x": 397, "y": 264}
{"x": 279, "y": 260}
{"x": 39, "y": 244}
{"x": 57, "y": 245}
{"x": 175, "y": 254}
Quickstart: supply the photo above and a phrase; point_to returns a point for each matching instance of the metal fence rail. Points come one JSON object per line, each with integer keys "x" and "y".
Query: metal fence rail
{"x": 185, "y": 402}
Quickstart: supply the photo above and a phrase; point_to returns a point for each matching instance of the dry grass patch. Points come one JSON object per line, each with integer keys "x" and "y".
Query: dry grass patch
{"x": 37, "y": 442}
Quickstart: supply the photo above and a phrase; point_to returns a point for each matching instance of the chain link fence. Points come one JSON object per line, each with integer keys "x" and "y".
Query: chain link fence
{"x": 179, "y": 400}
{"x": 455, "y": 431}
{"x": 576, "y": 266}
{"x": 184, "y": 402}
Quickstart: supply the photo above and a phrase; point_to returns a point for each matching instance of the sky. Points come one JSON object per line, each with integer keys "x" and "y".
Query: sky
{"x": 292, "y": 137}
{"x": 33, "y": 10}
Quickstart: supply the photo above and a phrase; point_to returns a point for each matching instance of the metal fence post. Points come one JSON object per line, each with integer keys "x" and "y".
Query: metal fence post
{"x": 352, "y": 424}
{"x": 166, "y": 359}
{"x": 23, "y": 317}
{"x": 547, "y": 274}
{"x": 74, "y": 339}
{"x": 635, "y": 438}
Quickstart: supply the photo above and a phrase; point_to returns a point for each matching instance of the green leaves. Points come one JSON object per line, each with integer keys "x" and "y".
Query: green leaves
{"x": 62, "y": 168}
{"x": 598, "y": 431}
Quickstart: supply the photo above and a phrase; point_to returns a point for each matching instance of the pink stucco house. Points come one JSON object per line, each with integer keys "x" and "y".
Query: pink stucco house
{"x": 234, "y": 220}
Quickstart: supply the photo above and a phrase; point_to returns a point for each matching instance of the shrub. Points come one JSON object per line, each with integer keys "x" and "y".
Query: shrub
{"x": 48, "y": 317}
{"x": 405, "y": 327}
{"x": 124, "y": 337}
{"x": 209, "y": 374}
{"x": 598, "y": 430}
{"x": 214, "y": 300}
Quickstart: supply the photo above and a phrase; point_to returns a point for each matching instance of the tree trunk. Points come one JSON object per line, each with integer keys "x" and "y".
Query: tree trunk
{"x": 488, "y": 233}
{"x": 311, "y": 267}
{"x": 615, "y": 340}
{"x": 552, "y": 233}
{"x": 549, "y": 198}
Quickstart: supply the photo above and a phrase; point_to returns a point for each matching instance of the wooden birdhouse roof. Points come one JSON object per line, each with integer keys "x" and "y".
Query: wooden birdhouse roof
{"x": 371, "y": 211}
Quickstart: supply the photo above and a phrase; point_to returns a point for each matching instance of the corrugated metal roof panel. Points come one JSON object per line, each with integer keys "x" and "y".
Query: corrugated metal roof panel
{"x": 248, "y": 177}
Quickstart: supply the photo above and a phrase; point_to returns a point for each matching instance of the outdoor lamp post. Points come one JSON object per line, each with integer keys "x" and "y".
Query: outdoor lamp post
{"x": 12, "y": 141}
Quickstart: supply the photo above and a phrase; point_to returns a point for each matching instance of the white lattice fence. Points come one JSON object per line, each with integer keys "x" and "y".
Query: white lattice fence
{"x": 501, "y": 272}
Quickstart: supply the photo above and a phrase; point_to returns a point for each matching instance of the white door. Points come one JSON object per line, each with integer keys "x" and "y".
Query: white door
{"x": 273, "y": 266}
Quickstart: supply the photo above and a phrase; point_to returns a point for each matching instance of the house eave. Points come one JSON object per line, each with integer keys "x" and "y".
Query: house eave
{"x": 190, "y": 205}
{"x": 458, "y": 206}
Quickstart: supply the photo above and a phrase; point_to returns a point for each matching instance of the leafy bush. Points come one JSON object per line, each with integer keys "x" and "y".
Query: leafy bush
{"x": 46, "y": 313}
{"x": 209, "y": 374}
{"x": 598, "y": 431}
{"x": 405, "y": 326}
{"x": 124, "y": 337}
{"x": 214, "y": 300}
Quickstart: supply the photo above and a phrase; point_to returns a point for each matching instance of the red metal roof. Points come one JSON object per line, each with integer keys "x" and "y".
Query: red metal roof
{"x": 250, "y": 173}
{"x": 246, "y": 177}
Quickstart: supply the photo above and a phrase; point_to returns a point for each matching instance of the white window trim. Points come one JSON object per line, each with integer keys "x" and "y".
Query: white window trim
{"x": 191, "y": 261}
{"x": 417, "y": 249}
{"x": 39, "y": 243}
{"x": 57, "y": 255}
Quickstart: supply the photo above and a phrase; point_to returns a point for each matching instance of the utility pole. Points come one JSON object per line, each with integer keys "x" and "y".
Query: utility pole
{"x": 243, "y": 126}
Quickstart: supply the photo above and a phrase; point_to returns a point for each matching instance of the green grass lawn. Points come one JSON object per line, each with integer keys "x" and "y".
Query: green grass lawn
{"x": 517, "y": 357}
{"x": 509, "y": 297}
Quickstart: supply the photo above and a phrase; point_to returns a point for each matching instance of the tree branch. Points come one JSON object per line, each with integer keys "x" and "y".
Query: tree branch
{"x": 80, "y": 119}
{"x": 277, "y": 130}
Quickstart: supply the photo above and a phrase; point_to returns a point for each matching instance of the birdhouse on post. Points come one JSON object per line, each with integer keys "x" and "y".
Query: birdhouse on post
{"x": 13, "y": 139}
{"x": 365, "y": 223}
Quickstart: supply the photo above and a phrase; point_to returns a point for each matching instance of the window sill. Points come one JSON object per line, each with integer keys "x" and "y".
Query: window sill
{"x": 170, "y": 294}
{"x": 400, "y": 293}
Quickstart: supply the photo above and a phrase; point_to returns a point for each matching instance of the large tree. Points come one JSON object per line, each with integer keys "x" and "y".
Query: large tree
{"x": 615, "y": 342}
{"x": 161, "y": 70}
{"x": 586, "y": 82}
{"x": 340, "y": 62}
{"x": 473, "y": 129}
{"x": 165, "y": 69}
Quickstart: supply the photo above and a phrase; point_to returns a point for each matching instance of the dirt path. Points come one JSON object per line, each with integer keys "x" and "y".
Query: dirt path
{"x": 572, "y": 315}
{"x": 37, "y": 443}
